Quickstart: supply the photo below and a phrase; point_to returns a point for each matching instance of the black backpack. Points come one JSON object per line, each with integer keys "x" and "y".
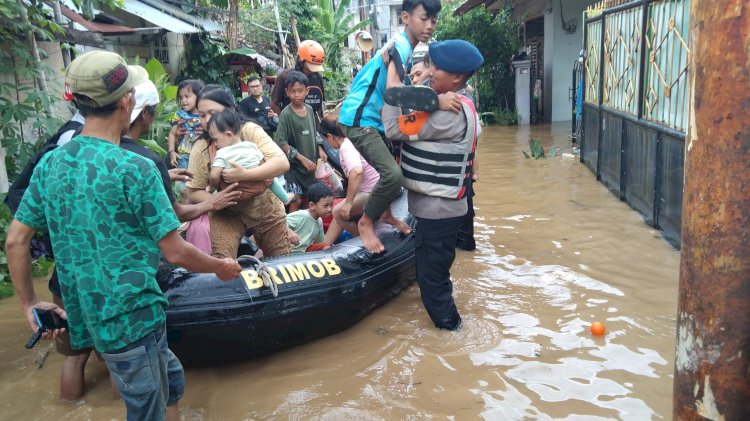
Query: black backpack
{"x": 18, "y": 188}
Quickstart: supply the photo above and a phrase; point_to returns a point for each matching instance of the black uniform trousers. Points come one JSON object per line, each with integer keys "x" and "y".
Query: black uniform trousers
{"x": 435, "y": 253}
{"x": 466, "y": 230}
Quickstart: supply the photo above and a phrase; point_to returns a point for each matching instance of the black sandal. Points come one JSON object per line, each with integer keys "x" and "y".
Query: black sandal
{"x": 419, "y": 98}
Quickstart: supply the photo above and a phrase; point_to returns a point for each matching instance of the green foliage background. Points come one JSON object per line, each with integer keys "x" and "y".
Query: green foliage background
{"x": 496, "y": 36}
{"x": 206, "y": 60}
{"x": 21, "y": 103}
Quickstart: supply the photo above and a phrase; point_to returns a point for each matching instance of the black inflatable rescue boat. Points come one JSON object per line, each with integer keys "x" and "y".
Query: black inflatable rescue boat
{"x": 213, "y": 322}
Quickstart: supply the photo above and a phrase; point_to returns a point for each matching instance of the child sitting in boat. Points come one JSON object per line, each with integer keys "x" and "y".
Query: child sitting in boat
{"x": 224, "y": 129}
{"x": 305, "y": 226}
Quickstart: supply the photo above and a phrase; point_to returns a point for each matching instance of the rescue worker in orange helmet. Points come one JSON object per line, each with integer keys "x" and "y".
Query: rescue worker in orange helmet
{"x": 310, "y": 58}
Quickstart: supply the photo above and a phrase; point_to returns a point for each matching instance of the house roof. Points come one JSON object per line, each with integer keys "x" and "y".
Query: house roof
{"x": 169, "y": 17}
{"x": 470, "y": 5}
{"x": 529, "y": 8}
{"x": 104, "y": 28}
{"x": 262, "y": 60}
{"x": 156, "y": 12}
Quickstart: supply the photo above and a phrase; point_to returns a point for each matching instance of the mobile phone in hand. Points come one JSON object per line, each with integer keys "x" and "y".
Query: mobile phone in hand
{"x": 46, "y": 320}
{"x": 49, "y": 320}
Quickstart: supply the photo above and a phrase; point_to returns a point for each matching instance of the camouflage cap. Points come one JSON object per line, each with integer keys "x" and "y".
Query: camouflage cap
{"x": 100, "y": 78}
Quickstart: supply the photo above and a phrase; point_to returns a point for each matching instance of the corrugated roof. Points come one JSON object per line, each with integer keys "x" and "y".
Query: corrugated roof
{"x": 167, "y": 21}
{"x": 207, "y": 24}
{"x": 105, "y": 28}
{"x": 156, "y": 12}
{"x": 158, "y": 18}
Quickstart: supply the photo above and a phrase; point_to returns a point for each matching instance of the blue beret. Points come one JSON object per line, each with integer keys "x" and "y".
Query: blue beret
{"x": 455, "y": 56}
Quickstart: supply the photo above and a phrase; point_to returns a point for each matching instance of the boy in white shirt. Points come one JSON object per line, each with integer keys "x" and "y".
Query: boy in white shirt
{"x": 305, "y": 226}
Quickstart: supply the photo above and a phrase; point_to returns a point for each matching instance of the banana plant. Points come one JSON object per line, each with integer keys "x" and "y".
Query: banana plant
{"x": 335, "y": 23}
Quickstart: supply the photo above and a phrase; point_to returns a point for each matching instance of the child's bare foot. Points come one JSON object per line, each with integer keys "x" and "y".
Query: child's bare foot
{"x": 400, "y": 225}
{"x": 367, "y": 232}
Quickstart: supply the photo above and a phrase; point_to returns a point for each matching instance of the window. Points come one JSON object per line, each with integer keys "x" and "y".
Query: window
{"x": 396, "y": 16}
{"x": 159, "y": 49}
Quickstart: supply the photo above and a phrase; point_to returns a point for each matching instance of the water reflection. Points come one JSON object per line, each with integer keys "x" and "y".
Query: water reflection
{"x": 555, "y": 252}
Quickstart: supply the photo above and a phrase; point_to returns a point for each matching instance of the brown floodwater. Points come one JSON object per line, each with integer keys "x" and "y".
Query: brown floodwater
{"x": 555, "y": 252}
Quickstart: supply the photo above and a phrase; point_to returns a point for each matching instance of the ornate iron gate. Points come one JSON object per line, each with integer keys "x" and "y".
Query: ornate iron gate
{"x": 635, "y": 106}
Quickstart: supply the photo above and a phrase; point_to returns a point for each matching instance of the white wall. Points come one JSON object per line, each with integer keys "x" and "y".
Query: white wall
{"x": 563, "y": 51}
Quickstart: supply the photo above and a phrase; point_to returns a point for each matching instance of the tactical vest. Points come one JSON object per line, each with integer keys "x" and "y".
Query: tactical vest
{"x": 441, "y": 168}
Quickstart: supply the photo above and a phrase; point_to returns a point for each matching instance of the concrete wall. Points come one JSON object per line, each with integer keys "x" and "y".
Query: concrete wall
{"x": 563, "y": 51}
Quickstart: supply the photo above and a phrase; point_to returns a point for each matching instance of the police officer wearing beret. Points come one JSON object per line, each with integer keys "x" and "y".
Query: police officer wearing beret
{"x": 436, "y": 161}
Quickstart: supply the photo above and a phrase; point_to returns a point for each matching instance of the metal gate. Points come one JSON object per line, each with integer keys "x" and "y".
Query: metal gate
{"x": 635, "y": 108}
{"x": 576, "y": 97}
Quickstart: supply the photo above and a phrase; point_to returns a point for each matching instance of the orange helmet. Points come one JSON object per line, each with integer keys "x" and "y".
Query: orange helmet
{"x": 312, "y": 52}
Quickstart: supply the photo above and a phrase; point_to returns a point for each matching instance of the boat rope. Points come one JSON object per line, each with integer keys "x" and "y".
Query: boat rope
{"x": 263, "y": 273}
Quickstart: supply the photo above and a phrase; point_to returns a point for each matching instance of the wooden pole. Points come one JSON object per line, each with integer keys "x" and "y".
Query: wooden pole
{"x": 58, "y": 20}
{"x": 293, "y": 23}
{"x": 712, "y": 362}
{"x": 285, "y": 56}
{"x": 41, "y": 79}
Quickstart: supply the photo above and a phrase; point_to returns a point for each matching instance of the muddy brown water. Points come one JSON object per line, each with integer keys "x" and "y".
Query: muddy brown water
{"x": 555, "y": 252}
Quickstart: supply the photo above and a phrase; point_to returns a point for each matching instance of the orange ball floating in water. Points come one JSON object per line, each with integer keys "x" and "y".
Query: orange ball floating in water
{"x": 597, "y": 328}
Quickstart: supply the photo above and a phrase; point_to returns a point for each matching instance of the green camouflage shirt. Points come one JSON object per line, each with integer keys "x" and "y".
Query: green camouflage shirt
{"x": 106, "y": 210}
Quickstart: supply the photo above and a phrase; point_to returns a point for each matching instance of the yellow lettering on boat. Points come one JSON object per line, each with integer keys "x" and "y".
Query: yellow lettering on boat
{"x": 284, "y": 274}
{"x": 252, "y": 280}
{"x": 316, "y": 269}
{"x": 274, "y": 276}
{"x": 298, "y": 272}
{"x": 293, "y": 272}
{"x": 331, "y": 267}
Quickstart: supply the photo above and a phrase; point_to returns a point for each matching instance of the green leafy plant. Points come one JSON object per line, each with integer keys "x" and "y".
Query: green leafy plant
{"x": 6, "y": 289}
{"x": 336, "y": 28}
{"x": 39, "y": 267}
{"x": 336, "y": 85}
{"x": 157, "y": 141}
{"x": 42, "y": 266}
{"x": 498, "y": 40}
{"x": 499, "y": 117}
{"x": 5, "y": 218}
{"x": 537, "y": 150}
{"x": 206, "y": 60}
{"x": 25, "y": 109}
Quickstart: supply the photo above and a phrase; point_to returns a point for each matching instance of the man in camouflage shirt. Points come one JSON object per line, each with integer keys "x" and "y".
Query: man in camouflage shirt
{"x": 109, "y": 218}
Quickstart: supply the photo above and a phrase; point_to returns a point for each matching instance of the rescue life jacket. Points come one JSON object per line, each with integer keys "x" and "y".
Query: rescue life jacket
{"x": 441, "y": 168}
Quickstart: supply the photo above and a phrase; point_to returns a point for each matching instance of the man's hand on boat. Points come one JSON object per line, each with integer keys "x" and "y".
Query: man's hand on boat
{"x": 228, "y": 270}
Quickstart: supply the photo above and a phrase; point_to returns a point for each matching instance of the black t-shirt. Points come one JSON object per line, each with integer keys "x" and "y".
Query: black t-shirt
{"x": 254, "y": 110}
{"x": 132, "y": 146}
{"x": 315, "y": 96}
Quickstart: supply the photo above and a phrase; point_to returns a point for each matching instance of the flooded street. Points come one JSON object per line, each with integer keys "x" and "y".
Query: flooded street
{"x": 555, "y": 252}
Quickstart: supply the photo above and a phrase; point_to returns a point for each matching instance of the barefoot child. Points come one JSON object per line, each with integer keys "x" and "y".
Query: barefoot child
{"x": 187, "y": 118}
{"x": 297, "y": 137}
{"x": 305, "y": 227}
{"x": 361, "y": 178}
{"x": 360, "y": 116}
{"x": 224, "y": 129}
